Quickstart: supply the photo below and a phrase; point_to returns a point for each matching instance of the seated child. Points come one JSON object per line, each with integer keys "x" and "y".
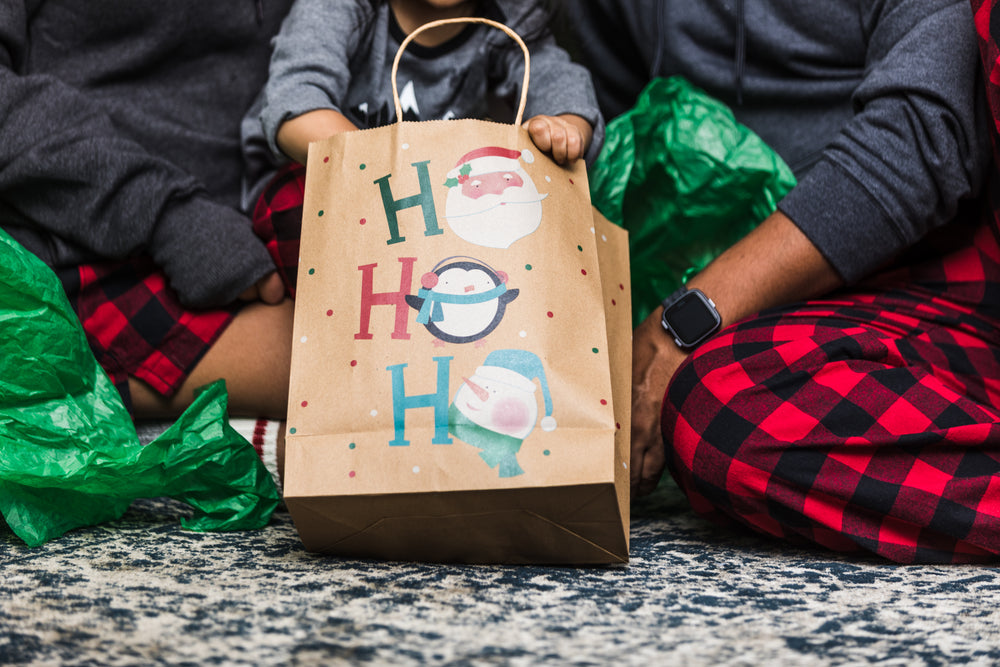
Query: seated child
{"x": 331, "y": 72}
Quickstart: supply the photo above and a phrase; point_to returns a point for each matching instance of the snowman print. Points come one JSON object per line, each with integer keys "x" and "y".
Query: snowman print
{"x": 496, "y": 409}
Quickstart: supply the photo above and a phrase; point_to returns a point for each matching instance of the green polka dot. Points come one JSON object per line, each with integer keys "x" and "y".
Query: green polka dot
{"x": 546, "y": 452}
{"x": 312, "y": 271}
{"x": 580, "y": 248}
{"x": 594, "y": 350}
{"x": 292, "y": 430}
{"x": 528, "y": 267}
{"x": 351, "y": 446}
{"x": 320, "y": 213}
{"x": 362, "y": 166}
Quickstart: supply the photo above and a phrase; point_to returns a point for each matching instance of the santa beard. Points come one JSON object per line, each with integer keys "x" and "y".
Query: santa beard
{"x": 495, "y": 221}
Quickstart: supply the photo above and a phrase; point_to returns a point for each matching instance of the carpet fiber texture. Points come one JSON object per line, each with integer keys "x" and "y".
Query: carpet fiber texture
{"x": 142, "y": 591}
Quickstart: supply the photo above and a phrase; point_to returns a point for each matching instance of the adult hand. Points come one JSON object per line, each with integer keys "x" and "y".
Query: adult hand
{"x": 268, "y": 289}
{"x": 655, "y": 357}
{"x": 772, "y": 265}
{"x": 564, "y": 137}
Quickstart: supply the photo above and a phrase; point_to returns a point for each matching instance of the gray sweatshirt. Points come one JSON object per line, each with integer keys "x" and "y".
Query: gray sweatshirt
{"x": 338, "y": 55}
{"x": 119, "y": 133}
{"x": 874, "y": 104}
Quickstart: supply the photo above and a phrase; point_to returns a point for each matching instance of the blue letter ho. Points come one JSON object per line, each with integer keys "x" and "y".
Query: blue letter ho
{"x": 438, "y": 400}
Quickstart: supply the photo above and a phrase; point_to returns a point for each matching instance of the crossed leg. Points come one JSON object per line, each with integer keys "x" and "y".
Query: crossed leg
{"x": 253, "y": 355}
{"x": 855, "y": 423}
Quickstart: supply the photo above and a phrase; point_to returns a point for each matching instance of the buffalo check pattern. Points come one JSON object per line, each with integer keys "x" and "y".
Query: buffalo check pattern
{"x": 277, "y": 219}
{"x": 869, "y": 420}
{"x": 136, "y": 325}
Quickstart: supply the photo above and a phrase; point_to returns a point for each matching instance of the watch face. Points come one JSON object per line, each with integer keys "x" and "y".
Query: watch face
{"x": 691, "y": 318}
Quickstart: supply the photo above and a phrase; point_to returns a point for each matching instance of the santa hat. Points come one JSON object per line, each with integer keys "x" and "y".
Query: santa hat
{"x": 517, "y": 368}
{"x": 489, "y": 159}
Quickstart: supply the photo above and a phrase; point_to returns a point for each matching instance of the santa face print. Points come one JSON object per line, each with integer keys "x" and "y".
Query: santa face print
{"x": 494, "y": 210}
{"x": 508, "y": 408}
{"x": 492, "y": 201}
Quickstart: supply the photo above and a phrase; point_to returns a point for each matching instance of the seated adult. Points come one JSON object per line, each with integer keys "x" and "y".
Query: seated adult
{"x": 850, "y": 395}
{"x": 121, "y": 169}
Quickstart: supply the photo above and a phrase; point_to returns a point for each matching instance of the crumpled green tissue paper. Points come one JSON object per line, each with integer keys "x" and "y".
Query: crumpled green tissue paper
{"x": 69, "y": 453}
{"x": 686, "y": 180}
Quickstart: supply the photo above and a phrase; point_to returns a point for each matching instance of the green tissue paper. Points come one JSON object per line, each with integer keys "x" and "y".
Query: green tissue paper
{"x": 686, "y": 180}
{"x": 69, "y": 453}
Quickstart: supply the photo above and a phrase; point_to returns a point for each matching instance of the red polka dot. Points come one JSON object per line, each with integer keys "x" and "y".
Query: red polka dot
{"x": 603, "y": 402}
{"x": 351, "y": 474}
{"x": 363, "y": 220}
{"x": 583, "y": 271}
{"x": 326, "y": 159}
{"x": 550, "y": 314}
{"x": 571, "y": 181}
{"x": 618, "y": 426}
{"x": 613, "y": 302}
{"x": 354, "y": 362}
{"x": 329, "y": 313}
{"x": 621, "y": 287}
{"x": 305, "y": 404}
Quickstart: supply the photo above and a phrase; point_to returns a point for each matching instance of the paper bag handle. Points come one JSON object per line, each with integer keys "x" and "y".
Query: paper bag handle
{"x": 466, "y": 19}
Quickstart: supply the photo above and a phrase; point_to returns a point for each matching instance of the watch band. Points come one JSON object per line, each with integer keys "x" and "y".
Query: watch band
{"x": 674, "y": 297}
{"x": 691, "y": 322}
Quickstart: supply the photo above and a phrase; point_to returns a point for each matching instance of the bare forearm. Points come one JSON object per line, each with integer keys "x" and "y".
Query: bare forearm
{"x": 295, "y": 135}
{"x": 773, "y": 265}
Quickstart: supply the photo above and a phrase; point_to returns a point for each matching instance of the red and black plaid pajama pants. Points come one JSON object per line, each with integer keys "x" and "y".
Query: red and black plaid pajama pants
{"x": 135, "y": 323}
{"x": 869, "y": 420}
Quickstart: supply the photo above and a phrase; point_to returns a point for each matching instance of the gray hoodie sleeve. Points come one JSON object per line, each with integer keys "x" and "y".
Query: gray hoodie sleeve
{"x": 916, "y": 146}
{"x": 556, "y": 86}
{"x": 68, "y": 172}
{"x": 311, "y": 64}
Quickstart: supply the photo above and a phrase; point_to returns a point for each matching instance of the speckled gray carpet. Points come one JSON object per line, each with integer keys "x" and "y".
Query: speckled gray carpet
{"x": 142, "y": 591}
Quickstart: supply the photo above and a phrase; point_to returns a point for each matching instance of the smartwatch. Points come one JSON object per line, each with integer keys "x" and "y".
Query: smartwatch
{"x": 690, "y": 317}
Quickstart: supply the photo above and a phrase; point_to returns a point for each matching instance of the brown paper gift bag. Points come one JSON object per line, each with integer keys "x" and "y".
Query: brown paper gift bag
{"x": 461, "y": 362}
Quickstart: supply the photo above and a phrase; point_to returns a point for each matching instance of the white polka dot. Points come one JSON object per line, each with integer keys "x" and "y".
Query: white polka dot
{"x": 406, "y": 146}
{"x": 603, "y": 237}
{"x": 624, "y": 465}
{"x": 373, "y": 413}
{"x": 548, "y": 179}
{"x": 523, "y": 334}
{"x": 303, "y": 339}
{"x": 416, "y": 469}
{"x": 593, "y": 231}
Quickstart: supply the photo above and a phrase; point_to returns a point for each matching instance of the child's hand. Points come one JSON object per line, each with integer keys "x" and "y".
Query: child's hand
{"x": 268, "y": 289}
{"x": 564, "y": 137}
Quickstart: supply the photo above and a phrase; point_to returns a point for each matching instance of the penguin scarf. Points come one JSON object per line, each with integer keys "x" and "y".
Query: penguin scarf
{"x": 431, "y": 310}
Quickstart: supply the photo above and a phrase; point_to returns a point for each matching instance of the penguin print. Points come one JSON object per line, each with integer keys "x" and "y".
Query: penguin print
{"x": 462, "y": 300}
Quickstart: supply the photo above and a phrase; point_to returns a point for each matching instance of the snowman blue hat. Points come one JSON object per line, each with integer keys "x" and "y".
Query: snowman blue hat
{"x": 522, "y": 367}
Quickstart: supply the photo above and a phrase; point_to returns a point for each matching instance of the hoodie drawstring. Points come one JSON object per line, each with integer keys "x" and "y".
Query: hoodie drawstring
{"x": 741, "y": 49}
{"x": 661, "y": 35}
